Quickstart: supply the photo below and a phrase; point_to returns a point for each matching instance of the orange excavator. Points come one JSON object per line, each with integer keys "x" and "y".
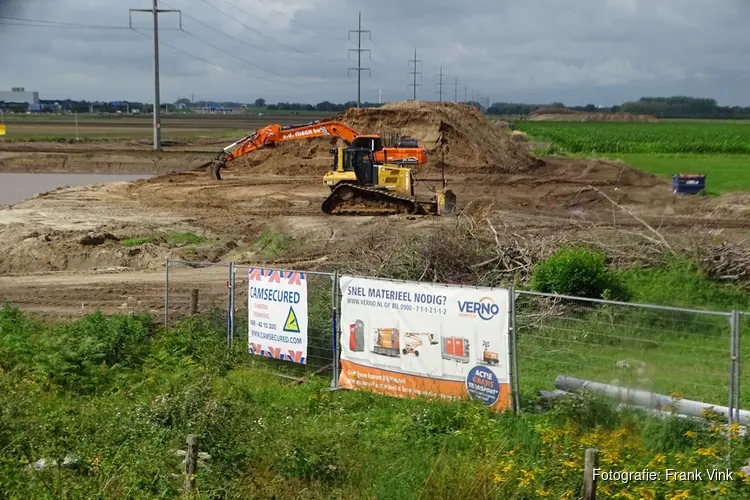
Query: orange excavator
{"x": 406, "y": 152}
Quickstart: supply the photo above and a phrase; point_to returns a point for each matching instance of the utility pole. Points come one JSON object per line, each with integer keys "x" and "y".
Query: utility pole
{"x": 441, "y": 84}
{"x": 359, "y": 69}
{"x": 455, "y": 90}
{"x": 155, "y": 11}
{"x": 414, "y": 74}
{"x": 466, "y": 93}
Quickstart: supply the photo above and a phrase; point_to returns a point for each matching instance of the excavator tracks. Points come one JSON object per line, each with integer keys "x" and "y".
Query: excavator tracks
{"x": 350, "y": 199}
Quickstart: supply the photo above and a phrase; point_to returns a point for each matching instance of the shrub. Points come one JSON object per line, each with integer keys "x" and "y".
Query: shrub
{"x": 579, "y": 272}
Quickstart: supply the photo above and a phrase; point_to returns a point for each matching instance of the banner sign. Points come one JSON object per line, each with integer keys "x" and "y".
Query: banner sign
{"x": 277, "y": 309}
{"x": 411, "y": 339}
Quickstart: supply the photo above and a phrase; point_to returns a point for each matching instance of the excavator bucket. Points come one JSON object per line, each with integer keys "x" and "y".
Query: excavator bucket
{"x": 213, "y": 170}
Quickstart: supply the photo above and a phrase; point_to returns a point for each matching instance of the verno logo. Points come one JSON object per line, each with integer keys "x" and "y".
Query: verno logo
{"x": 485, "y": 308}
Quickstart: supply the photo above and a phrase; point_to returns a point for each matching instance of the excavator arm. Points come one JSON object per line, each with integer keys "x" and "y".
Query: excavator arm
{"x": 270, "y": 135}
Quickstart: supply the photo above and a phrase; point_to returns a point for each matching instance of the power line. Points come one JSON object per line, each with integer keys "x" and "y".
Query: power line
{"x": 312, "y": 30}
{"x": 441, "y": 84}
{"x": 414, "y": 74}
{"x": 39, "y": 23}
{"x": 359, "y": 69}
{"x": 234, "y": 18}
{"x": 215, "y": 47}
{"x": 155, "y": 11}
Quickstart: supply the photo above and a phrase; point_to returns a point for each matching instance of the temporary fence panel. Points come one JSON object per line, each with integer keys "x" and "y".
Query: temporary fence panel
{"x": 411, "y": 339}
{"x": 675, "y": 352}
{"x": 279, "y": 310}
{"x": 743, "y": 361}
{"x": 195, "y": 288}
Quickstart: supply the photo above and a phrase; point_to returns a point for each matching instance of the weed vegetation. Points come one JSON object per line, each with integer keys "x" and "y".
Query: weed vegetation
{"x": 111, "y": 400}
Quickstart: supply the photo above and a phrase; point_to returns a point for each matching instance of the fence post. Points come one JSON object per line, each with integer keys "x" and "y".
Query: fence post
{"x": 736, "y": 328}
{"x": 732, "y": 362}
{"x": 515, "y": 378}
{"x": 166, "y": 293}
{"x": 334, "y": 329}
{"x": 193, "y": 301}
{"x": 191, "y": 463}
{"x": 591, "y": 462}
{"x": 234, "y": 298}
{"x": 229, "y": 307}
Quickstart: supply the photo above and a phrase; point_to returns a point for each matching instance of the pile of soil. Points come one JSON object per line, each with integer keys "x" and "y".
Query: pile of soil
{"x": 455, "y": 134}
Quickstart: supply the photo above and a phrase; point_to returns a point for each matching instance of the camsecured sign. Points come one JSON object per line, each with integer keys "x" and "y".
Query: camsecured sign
{"x": 277, "y": 308}
{"x": 409, "y": 339}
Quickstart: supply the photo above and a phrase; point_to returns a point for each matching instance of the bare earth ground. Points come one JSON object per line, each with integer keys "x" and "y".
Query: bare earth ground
{"x": 62, "y": 251}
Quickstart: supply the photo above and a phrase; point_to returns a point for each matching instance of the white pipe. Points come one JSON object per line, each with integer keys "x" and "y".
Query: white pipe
{"x": 646, "y": 399}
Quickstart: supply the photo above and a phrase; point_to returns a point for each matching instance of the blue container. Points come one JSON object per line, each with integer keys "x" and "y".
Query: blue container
{"x": 688, "y": 183}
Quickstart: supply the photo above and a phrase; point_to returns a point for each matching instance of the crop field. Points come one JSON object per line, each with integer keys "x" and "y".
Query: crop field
{"x": 632, "y": 138}
{"x": 721, "y": 151}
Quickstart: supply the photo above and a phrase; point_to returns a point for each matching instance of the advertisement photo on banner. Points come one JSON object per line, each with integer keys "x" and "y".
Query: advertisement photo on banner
{"x": 277, "y": 314}
{"x": 409, "y": 338}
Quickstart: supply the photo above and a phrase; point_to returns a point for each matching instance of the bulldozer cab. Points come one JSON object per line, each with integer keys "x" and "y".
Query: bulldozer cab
{"x": 356, "y": 160}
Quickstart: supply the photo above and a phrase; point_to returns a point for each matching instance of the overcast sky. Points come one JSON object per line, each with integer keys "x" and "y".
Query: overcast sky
{"x": 573, "y": 51}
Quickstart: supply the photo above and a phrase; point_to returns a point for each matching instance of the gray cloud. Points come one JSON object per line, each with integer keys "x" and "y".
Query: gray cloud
{"x": 575, "y": 51}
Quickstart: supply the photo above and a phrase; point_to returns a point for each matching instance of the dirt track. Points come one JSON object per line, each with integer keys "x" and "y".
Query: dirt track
{"x": 63, "y": 251}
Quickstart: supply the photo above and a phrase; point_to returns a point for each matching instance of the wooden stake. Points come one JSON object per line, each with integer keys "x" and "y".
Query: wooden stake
{"x": 591, "y": 462}
{"x": 191, "y": 462}
{"x": 194, "y": 302}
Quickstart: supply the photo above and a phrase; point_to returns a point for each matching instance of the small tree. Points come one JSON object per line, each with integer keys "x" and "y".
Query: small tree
{"x": 260, "y": 103}
{"x": 577, "y": 271}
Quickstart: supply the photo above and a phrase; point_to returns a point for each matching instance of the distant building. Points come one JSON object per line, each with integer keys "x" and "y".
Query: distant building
{"x": 19, "y": 95}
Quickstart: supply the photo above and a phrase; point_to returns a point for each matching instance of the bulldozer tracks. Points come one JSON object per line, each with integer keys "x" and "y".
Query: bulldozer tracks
{"x": 350, "y": 199}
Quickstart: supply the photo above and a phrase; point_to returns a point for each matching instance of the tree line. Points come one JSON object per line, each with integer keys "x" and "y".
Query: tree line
{"x": 660, "y": 107}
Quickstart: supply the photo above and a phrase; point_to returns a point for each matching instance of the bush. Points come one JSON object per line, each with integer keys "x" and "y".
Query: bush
{"x": 578, "y": 272}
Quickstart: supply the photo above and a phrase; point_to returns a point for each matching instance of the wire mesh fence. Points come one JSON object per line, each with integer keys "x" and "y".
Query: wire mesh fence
{"x": 195, "y": 288}
{"x": 558, "y": 342}
{"x": 678, "y": 353}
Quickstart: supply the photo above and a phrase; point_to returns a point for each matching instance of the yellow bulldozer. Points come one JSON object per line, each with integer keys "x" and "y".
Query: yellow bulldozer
{"x": 359, "y": 186}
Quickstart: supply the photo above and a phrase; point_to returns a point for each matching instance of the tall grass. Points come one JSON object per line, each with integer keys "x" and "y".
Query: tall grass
{"x": 118, "y": 395}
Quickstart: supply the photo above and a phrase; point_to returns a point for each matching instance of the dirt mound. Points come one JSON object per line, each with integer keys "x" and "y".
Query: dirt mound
{"x": 304, "y": 157}
{"x": 564, "y": 171}
{"x": 459, "y": 135}
{"x": 570, "y": 115}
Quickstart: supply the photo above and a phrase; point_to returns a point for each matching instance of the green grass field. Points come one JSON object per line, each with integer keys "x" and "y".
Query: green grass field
{"x": 721, "y": 150}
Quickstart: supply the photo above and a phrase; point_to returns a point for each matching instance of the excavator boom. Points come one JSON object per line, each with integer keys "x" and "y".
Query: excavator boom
{"x": 270, "y": 135}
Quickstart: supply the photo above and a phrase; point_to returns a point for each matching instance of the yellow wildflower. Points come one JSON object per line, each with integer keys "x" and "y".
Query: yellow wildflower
{"x": 541, "y": 492}
{"x": 646, "y": 493}
{"x": 707, "y": 452}
{"x": 527, "y": 479}
{"x": 678, "y": 495}
{"x": 572, "y": 464}
{"x": 658, "y": 460}
{"x": 691, "y": 434}
{"x": 568, "y": 495}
